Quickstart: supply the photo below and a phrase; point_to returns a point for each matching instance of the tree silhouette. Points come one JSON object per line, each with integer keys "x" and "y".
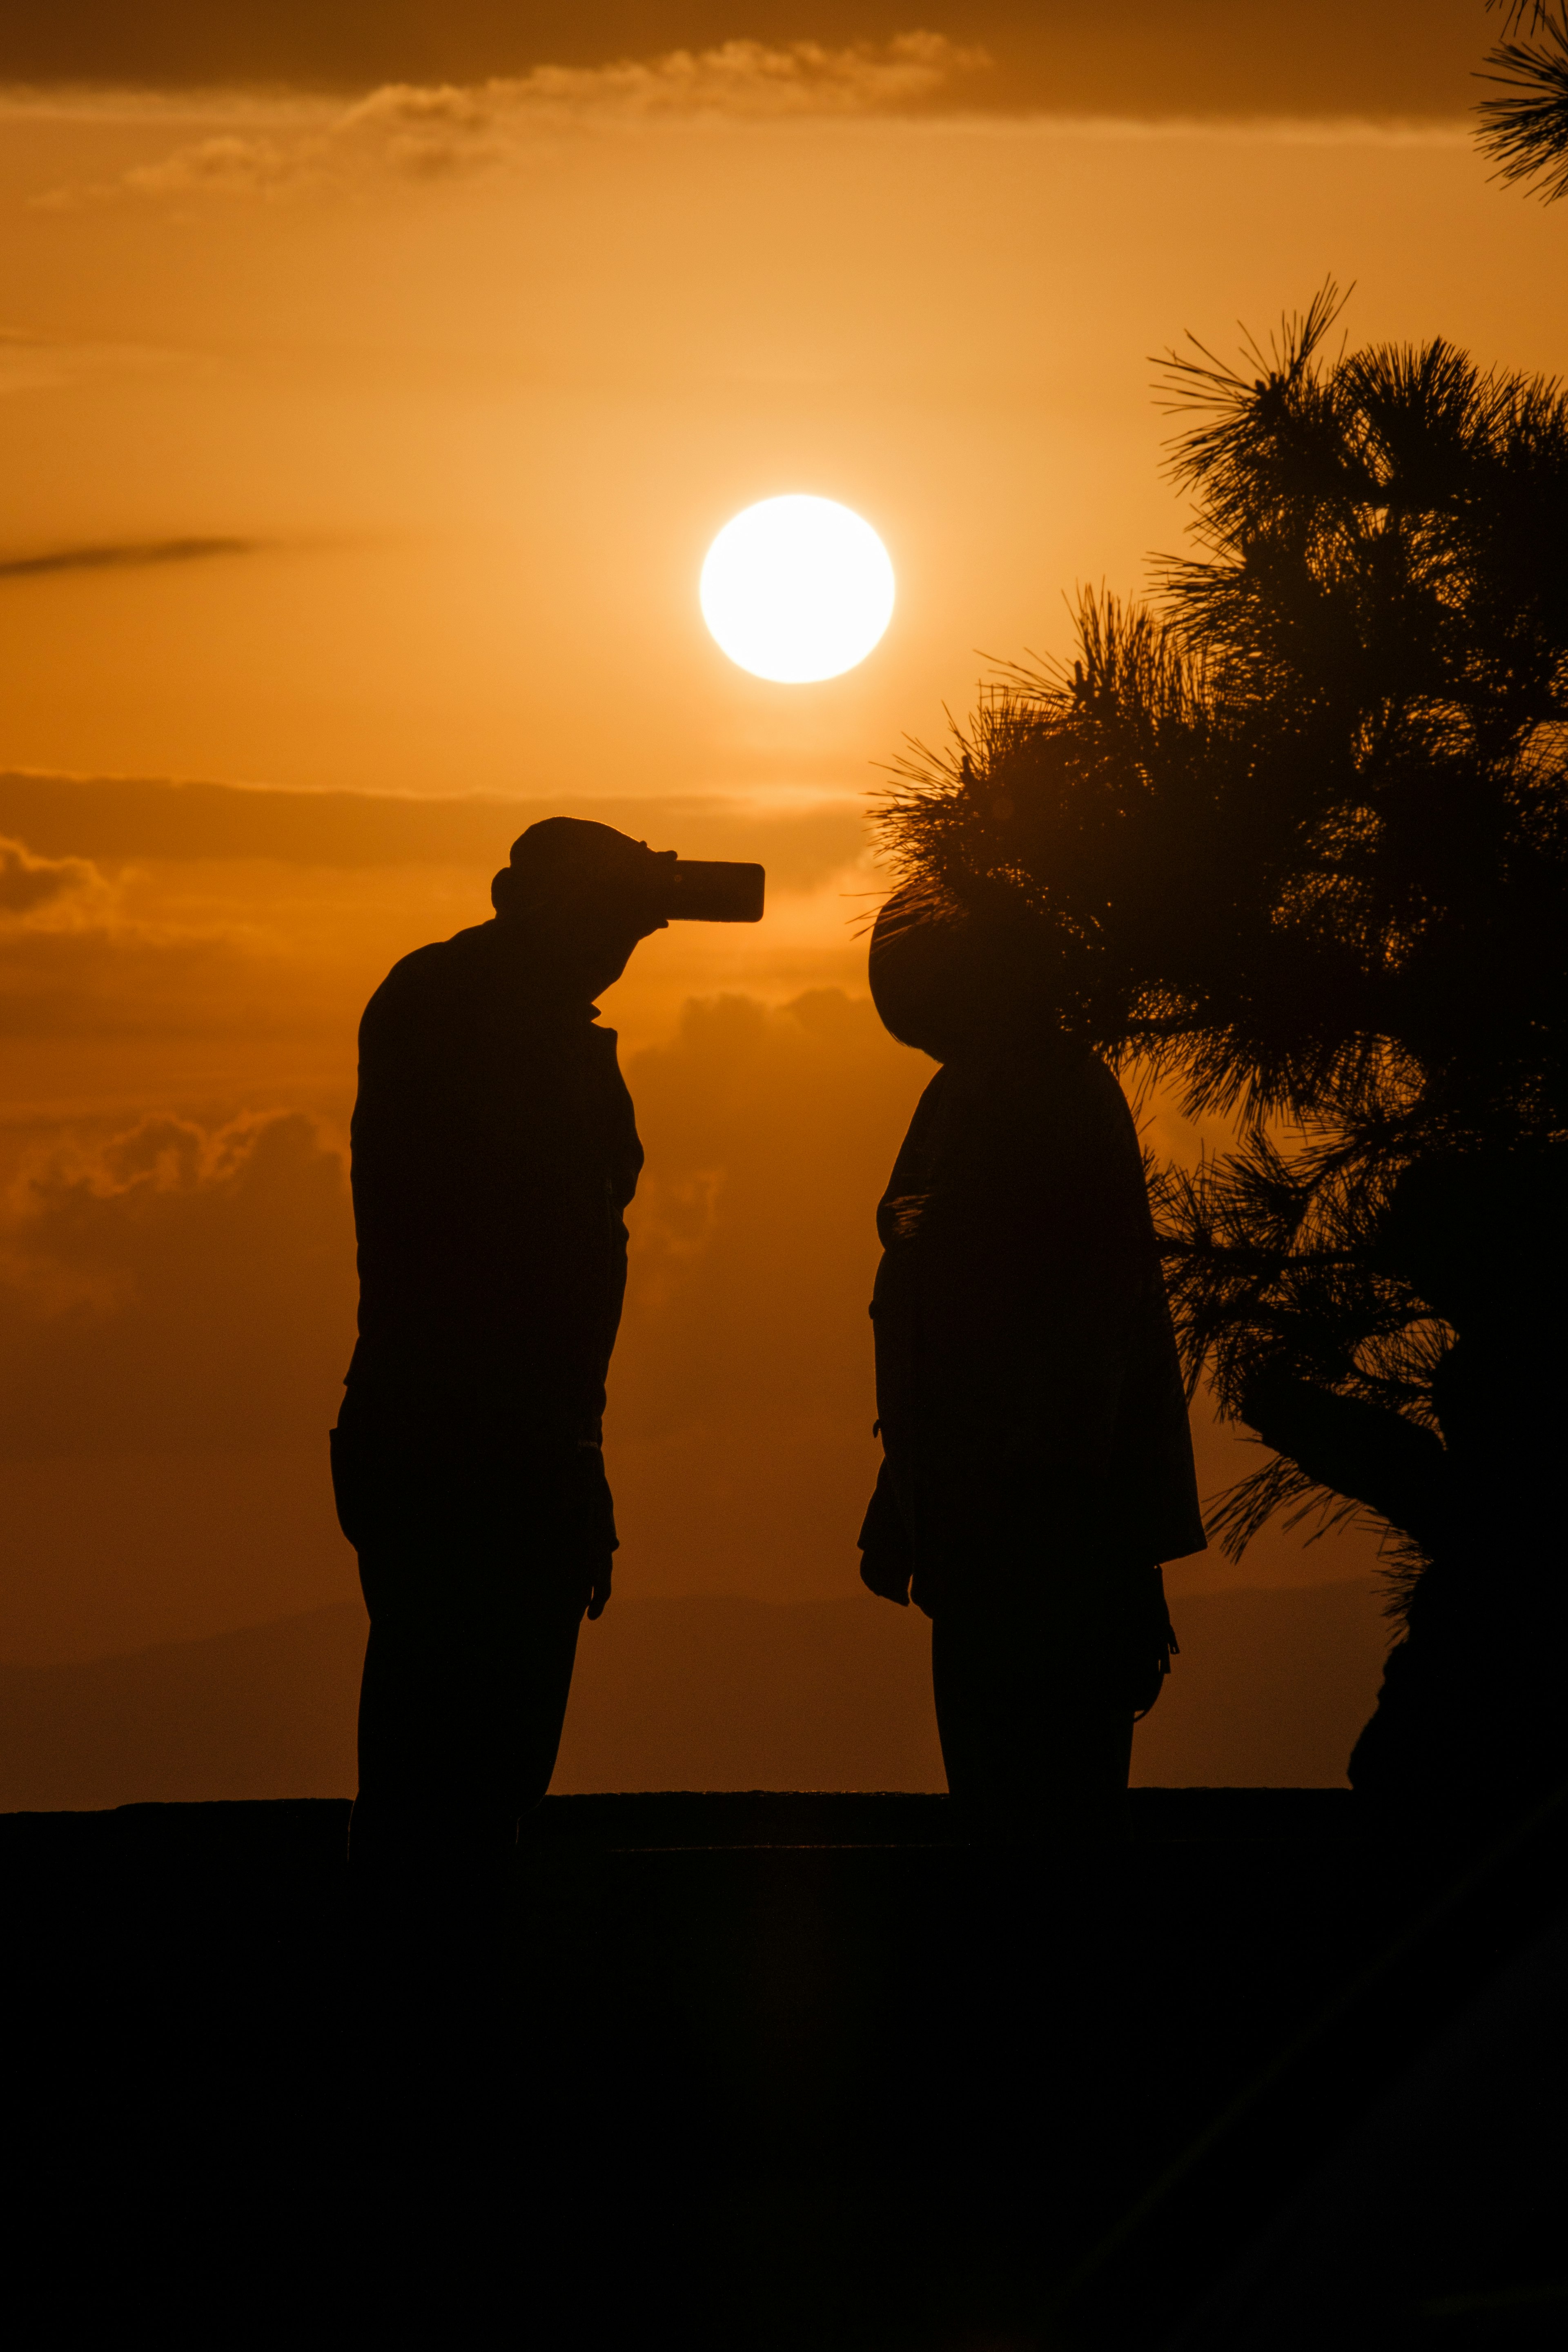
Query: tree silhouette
{"x": 1525, "y": 131}
{"x": 1294, "y": 837}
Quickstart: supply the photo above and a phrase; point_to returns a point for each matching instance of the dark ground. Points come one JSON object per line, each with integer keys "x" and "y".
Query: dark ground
{"x": 790, "y": 2072}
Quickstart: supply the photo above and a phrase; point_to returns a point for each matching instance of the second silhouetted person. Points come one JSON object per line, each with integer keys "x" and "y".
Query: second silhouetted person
{"x": 1038, "y": 1465}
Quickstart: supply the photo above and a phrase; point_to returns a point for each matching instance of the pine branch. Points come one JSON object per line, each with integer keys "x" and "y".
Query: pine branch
{"x": 1525, "y": 131}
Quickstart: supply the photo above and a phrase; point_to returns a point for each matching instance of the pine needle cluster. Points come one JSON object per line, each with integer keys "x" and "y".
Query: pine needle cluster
{"x": 1525, "y": 129}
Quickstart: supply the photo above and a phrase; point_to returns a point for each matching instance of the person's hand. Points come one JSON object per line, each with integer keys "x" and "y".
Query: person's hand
{"x": 886, "y": 1573}
{"x": 599, "y": 1582}
{"x": 887, "y": 1554}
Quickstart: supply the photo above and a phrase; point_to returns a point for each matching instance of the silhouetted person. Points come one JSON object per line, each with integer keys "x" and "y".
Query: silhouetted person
{"x": 1037, "y": 1464}
{"x": 495, "y": 1151}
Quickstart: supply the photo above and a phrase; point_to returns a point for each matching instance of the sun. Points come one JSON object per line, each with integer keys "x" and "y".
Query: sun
{"x": 797, "y": 589}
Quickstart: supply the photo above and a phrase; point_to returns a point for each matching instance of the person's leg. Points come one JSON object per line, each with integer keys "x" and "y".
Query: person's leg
{"x": 1031, "y": 1746}
{"x": 962, "y": 1715}
{"x": 984, "y": 1695}
{"x": 426, "y": 1742}
{"x": 542, "y": 1653}
{"x": 467, "y": 1676}
{"x": 1080, "y": 1762}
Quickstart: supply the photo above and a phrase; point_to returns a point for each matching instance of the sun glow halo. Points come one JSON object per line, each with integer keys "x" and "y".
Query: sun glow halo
{"x": 797, "y": 589}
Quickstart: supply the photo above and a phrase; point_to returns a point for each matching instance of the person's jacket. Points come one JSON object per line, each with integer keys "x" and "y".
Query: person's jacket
{"x": 494, "y": 1153}
{"x": 1030, "y": 1400}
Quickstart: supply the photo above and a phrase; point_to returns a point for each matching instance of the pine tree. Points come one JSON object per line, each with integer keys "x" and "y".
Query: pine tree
{"x": 1293, "y": 836}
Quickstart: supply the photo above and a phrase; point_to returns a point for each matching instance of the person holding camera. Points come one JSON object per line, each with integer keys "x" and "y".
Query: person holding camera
{"x": 494, "y": 1153}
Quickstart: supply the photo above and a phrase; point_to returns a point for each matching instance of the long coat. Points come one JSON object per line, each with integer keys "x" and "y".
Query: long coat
{"x": 1031, "y": 1403}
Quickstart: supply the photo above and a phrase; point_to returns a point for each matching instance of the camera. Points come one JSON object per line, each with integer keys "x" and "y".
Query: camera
{"x": 575, "y": 862}
{"x": 710, "y": 890}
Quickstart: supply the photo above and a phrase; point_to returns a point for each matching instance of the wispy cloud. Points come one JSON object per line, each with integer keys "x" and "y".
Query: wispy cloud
{"x": 129, "y": 554}
{"x": 405, "y": 131}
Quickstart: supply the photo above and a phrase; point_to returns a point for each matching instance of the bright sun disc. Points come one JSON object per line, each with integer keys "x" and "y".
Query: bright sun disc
{"x": 797, "y": 589}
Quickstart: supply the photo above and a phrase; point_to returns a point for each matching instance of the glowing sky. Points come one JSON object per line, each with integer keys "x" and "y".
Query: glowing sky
{"x": 476, "y": 407}
{"x": 372, "y": 448}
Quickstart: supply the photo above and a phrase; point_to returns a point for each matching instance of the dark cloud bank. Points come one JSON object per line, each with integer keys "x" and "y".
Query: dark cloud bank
{"x": 114, "y": 819}
{"x": 1143, "y": 56}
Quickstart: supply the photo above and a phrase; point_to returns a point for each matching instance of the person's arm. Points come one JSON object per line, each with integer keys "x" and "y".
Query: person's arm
{"x": 593, "y": 1524}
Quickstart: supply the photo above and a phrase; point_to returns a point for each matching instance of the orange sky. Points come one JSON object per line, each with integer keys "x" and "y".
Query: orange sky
{"x": 466, "y": 381}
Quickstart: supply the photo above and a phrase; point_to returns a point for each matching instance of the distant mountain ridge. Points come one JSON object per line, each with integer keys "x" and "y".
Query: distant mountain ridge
{"x": 703, "y": 1692}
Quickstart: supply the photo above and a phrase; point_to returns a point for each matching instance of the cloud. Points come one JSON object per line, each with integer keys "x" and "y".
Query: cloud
{"x": 128, "y": 555}
{"x": 1304, "y": 57}
{"x": 78, "y": 963}
{"x": 181, "y": 1294}
{"x": 113, "y": 819}
{"x": 176, "y": 1290}
{"x": 181, "y": 1287}
{"x": 29, "y": 883}
{"x": 769, "y": 1136}
{"x": 738, "y": 1434}
{"x": 405, "y": 131}
{"x": 140, "y": 916}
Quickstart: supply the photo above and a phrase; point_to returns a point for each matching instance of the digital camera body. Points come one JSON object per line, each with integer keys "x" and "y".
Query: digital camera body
{"x": 712, "y": 890}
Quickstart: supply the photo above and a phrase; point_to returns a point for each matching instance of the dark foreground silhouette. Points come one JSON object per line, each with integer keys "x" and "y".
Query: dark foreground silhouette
{"x": 1037, "y": 1464}
{"x": 783, "y": 2071}
{"x": 494, "y": 1153}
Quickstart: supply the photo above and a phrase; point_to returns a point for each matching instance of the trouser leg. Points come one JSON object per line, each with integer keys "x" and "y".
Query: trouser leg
{"x": 460, "y": 1716}
{"x": 1031, "y": 1748}
{"x": 454, "y": 1715}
